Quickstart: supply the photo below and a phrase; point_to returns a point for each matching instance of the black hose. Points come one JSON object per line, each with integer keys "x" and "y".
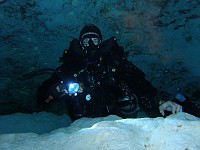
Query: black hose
{"x": 36, "y": 73}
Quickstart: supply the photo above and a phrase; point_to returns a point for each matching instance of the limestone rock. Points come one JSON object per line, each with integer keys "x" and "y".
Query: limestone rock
{"x": 178, "y": 132}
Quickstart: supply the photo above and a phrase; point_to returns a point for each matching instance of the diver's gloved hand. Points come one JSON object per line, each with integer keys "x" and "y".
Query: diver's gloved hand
{"x": 62, "y": 89}
{"x": 170, "y": 106}
{"x": 70, "y": 89}
{"x": 53, "y": 92}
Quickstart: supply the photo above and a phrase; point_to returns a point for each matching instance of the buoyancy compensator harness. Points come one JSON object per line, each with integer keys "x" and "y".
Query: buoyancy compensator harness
{"x": 94, "y": 77}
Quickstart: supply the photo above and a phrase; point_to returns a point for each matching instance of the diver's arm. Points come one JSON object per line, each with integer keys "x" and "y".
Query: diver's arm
{"x": 47, "y": 90}
{"x": 188, "y": 106}
{"x": 152, "y": 101}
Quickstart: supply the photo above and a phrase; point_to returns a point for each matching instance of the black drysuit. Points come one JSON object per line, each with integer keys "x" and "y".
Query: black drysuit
{"x": 104, "y": 82}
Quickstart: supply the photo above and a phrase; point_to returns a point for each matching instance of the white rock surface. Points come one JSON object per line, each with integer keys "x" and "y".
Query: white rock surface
{"x": 176, "y": 132}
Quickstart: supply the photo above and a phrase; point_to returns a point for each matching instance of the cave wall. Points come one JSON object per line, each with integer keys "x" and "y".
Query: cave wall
{"x": 162, "y": 38}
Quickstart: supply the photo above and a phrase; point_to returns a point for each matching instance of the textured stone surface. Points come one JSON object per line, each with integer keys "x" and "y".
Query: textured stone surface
{"x": 179, "y": 131}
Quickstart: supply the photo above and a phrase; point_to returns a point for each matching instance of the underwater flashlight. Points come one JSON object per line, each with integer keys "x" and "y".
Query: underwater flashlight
{"x": 73, "y": 88}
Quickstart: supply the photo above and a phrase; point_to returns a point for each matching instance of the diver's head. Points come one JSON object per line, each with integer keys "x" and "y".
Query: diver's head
{"x": 90, "y": 39}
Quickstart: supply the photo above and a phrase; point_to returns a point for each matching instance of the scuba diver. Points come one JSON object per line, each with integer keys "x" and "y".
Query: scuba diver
{"x": 97, "y": 80}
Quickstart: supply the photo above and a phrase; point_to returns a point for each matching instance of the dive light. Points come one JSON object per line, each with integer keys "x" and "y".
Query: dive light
{"x": 73, "y": 88}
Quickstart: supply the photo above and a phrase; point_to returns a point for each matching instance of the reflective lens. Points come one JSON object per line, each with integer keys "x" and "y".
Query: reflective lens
{"x": 95, "y": 40}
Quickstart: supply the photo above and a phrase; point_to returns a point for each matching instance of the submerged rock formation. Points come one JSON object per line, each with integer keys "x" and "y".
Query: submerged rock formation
{"x": 178, "y": 132}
